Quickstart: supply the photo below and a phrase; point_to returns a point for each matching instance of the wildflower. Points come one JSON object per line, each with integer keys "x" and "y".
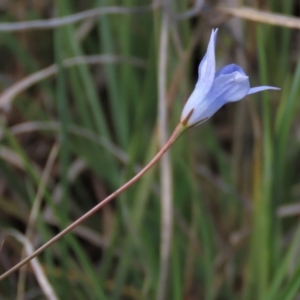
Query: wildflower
{"x": 214, "y": 89}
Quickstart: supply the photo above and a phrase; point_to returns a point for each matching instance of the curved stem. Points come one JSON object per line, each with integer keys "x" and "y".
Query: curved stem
{"x": 176, "y": 133}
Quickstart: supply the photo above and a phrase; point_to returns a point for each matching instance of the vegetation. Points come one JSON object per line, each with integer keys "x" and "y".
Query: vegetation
{"x": 72, "y": 133}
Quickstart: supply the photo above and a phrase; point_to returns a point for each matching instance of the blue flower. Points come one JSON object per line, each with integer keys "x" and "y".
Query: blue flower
{"x": 214, "y": 89}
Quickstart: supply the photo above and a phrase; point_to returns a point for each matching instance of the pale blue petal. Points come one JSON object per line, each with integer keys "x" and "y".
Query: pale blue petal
{"x": 205, "y": 81}
{"x": 229, "y": 69}
{"x": 203, "y": 61}
{"x": 230, "y": 87}
{"x": 261, "y": 88}
{"x": 226, "y": 88}
{"x": 214, "y": 33}
{"x": 213, "y": 90}
{"x": 204, "y": 110}
{"x": 201, "y": 106}
{"x": 207, "y": 67}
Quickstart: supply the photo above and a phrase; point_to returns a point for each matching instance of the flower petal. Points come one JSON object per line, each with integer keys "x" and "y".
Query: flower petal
{"x": 207, "y": 67}
{"x": 205, "y": 81}
{"x": 214, "y": 34}
{"x": 261, "y": 88}
{"x": 202, "y": 110}
{"x": 226, "y": 88}
{"x": 229, "y": 69}
{"x": 230, "y": 87}
{"x": 213, "y": 90}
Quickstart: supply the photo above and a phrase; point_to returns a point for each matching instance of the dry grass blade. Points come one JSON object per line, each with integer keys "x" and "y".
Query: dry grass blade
{"x": 165, "y": 164}
{"x": 57, "y": 22}
{"x": 55, "y": 126}
{"x": 11, "y": 157}
{"x": 192, "y": 12}
{"x": 38, "y": 270}
{"x": 40, "y": 192}
{"x": 35, "y": 212}
{"x": 265, "y": 17}
{"x": 288, "y": 210}
{"x": 9, "y": 94}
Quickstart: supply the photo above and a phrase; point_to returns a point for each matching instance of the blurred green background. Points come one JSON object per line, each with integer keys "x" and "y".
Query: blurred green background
{"x": 72, "y": 133}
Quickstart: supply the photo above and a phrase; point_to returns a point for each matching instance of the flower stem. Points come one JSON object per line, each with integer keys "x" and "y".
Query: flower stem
{"x": 180, "y": 128}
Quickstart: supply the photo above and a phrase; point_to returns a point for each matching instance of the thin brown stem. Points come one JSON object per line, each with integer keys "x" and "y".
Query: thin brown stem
{"x": 176, "y": 133}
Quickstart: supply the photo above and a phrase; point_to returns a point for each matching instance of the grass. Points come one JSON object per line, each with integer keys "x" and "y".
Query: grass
{"x": 230, "y": 178}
